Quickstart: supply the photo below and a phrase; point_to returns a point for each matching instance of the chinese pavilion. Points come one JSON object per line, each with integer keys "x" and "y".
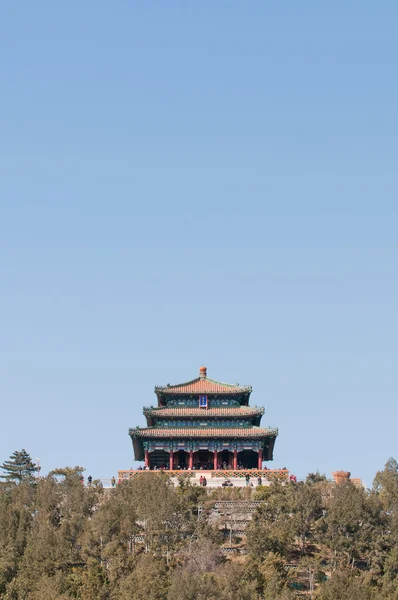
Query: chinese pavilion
{"x": 203, "y": 424}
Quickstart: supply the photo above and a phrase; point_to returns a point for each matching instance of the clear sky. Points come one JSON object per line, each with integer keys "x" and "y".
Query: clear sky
{"x": 187, "y": 183}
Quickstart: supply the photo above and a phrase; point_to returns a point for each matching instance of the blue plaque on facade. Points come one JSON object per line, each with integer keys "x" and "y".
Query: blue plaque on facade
{"x": 203, "y": 401}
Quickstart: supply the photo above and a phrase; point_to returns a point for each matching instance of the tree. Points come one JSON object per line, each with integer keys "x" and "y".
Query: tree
{"x": 19, "y": 468}
{"x": 148, "y": 581}
{"x": 346, "y": 525}
{"x": 386, "y": 486}
{"x": 389, "y": 580}
{"x": 272, "y": 528}
{"x": 307, "y": 511}
{"x": 48, "y": 588}
{"x": 234, "y": 582}
{"x": 310, "y": 572}
{"x": 344, "y": 585}
{"x": 205, "y": 575}
{"x": 201, "y": 556}
{"x": 165, "y": 517}
{"x": 275, "y": 578}
{"x": 62, "y": 514}
{"x": 147, "y": 540}
{"x": 16, "y": 516}
{"x": 193, "y": 586}
{"x": 315, "y": 478}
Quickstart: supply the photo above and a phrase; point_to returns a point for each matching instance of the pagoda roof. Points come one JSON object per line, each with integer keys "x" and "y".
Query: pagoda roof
{"x": 203, "y": 385}
{"x": 198, "y": 432}
{"x": 222, "y": 411}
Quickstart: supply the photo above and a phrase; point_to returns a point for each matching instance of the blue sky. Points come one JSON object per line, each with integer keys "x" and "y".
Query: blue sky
{"x": 199, "y": 183}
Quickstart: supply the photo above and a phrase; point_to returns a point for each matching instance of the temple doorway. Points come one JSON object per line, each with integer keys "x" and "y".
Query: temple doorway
{"x": 204, "y": 459}
{"x": 181, "y": 459}
{"x": 225, "y": 459}
{"x": 248, "y": 459}
{"x": 159, "y": 459}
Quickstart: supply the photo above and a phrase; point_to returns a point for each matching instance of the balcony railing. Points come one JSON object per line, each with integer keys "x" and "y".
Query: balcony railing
{"x": 267, "y": 474}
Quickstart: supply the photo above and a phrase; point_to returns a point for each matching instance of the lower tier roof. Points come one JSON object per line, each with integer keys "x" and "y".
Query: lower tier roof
{"x": 203, "y": 432}
{"x": 231, "y": 436}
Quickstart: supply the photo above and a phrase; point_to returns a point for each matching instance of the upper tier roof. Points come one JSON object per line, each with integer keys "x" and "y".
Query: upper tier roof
{"x": 222, "y": 411}
{"x": 184, "y": 412}
{"x": 203, "y": 385}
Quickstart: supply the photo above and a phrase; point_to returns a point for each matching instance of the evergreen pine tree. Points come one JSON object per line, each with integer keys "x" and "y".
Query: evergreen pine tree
{"x": 19, "y": 468}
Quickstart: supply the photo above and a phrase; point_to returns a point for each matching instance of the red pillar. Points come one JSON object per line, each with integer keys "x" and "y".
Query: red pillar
{"x": 171, "y": 460}
{"x": 260, "y": 460}
{"x": 215, "y": 463}
{"x": 235, "y": 459}
{"x": 191, "y": 459}
{"x": 146, "y": 458}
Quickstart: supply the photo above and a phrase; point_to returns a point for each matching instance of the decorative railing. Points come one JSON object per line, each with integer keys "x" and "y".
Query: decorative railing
{"x": 268, "y": 474}
{"x": 242, "y": 473}
{"x": 238, "y": 505}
